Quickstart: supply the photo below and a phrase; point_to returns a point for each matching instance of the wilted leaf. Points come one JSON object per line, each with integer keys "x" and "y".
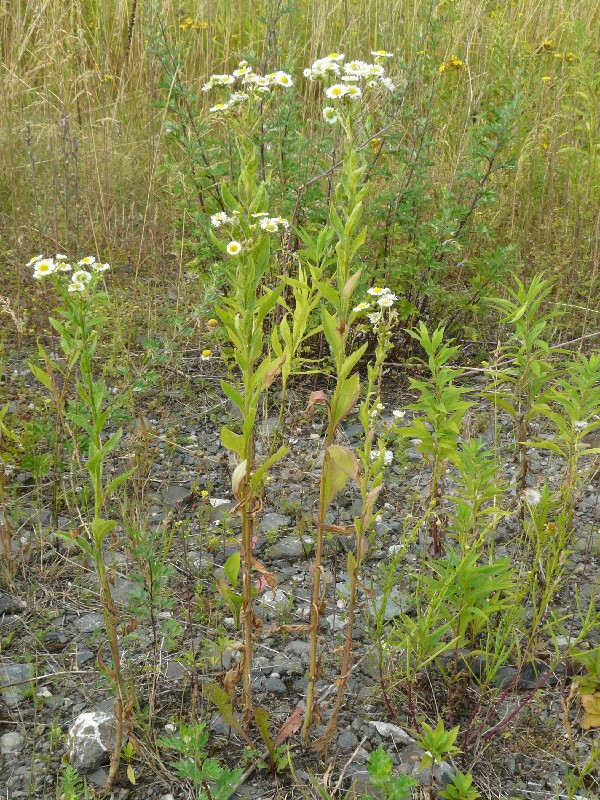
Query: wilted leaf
{"x": 290, "y": 727}
{"x": 591, "y": 705}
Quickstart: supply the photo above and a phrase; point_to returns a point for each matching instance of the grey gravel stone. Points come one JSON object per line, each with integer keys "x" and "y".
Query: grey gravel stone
{"x": 275, "y": 685}
{"x": 273, "y": 522}
{"x": 14, "y": 674}
{"x": 11, "y": 605}
{"x": 91, "y": 739}
{"x": 89, "y": 623}
{"x": 347, "y": 741}
{"x": 291, "y": 547}
{"x": 10, "y": 743}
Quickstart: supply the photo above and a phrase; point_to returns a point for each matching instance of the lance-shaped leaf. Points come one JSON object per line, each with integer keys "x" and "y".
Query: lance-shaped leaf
{"x": 339, "y": 467}
{"x": 232, "y": 441}
{"x": 259, "y": 474}
{"x": 222, "y": 701}
{"x": 347, "y": 399}
{"x": 351, "y": 285}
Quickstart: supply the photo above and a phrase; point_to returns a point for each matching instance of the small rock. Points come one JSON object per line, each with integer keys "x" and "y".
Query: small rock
{"x": 11, "y": 605}
{"x": 347, "y": 741}
{"x": 14, "y": 677}
{"x": 390, "y": 731}
{"x": 291, "y": 547}
{"x": 274, "y": 522}
{"x": 89, "y": 623}
{"x": 275, "y": 685}
{"x": 91, "y": 739}
{"x": 177, "y": 495}
{"x": 10, "y": 743}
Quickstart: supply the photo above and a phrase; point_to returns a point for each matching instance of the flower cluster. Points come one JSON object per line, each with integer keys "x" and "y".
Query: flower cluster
{"x": 388, "y": 456}
{"x": 262, "y": 221}
{"x": 348, "y": 80}
{"x": 245, "y": 85}
{"x": 42, "y": 267}
{"x": 380, "y": 298}
{"x": 195, "y": 25}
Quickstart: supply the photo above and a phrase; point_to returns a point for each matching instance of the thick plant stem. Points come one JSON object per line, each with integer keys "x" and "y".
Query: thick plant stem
{"x": 247, "y": 611}
{"x": 315, "y": 603}
{"x": 110, "y": 618}
{"x": 347, "y": 656}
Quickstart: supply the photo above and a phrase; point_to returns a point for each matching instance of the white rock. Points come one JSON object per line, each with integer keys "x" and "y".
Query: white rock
{"x": 92, "y": 739}
{"x": 10, "y": 743}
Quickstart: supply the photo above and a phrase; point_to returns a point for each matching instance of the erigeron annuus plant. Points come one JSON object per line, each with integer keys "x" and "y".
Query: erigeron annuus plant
{"x": 519, "y": 387}
{"x": 80, "y": 317}
{"x": 442, "y": 410}
{"x": 244, "y": 232}
{"x": 346, "y": 85}
{"x": 367, "y": 471}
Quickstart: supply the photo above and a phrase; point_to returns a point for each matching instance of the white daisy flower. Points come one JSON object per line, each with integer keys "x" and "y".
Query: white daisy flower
{"x": 238, "y": 97}
{"x": 361, "y": 307}
{"x": 388, "y": 83}
{"x": 234, "y": 248}
{"x": 381, "y": 54}
{"x": 356, "y": 68}
{"x": 374, "y": 318}
{"x": 101, "y": 267}
{"x": 376, "y": 70}
{"x": 76, "y": 286}
{"x": 336, "y": 91}
{"x": 283, "y": 79}
{"x": 398, "y": 414}
{"x": 34, "y": 260}
{"x": 260, "y": 214}
{"x": 44, "y": 267}
{"x": 60, "y": 257}
{"x": 350, "y": 78}
{"x": 330, "y": 115}
{"x": 242, "y": 70}
{"x": 218, "y": 107}
{"x": 81, "y": 276}
{"x": 269, "y": 224}
{"x": 219, "y": 219}
{"x": 387, "y": 301}
{"x": 207, "y": 86}
{"x": 335, "y": 57}
{"x": 63, "y": 267}
{"x": 353, "y": 92}
{"x": 377, "y": 291}
{"x": 282, "y": 221}
{"x": 87, "y": 261}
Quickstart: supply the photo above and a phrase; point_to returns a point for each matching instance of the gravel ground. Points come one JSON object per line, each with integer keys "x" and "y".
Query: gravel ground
{"x": 51, "y": 626}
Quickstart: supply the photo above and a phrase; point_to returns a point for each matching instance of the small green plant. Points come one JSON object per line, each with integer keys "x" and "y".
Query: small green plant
{"x": 387, "y": 785}
{"x": 519, "y": 386}
{"x": 211, "y": 780}
{"x": 438, "y": 425}
{"x": 439, "y": 746}
{"x": 461, "y": 788}
{"x": 73, "y": 786}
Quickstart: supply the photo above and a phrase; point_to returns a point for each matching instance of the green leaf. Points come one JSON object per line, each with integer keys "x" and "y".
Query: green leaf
{"x": 338, "y": 468}
{"x": 232, "y": 568}
{"x": 261, "y": 715}
{"x": 235, "y": 397}
{"x": 346, "y": 400}
{"x": 222, "y": 701}
{"x": 232, "y": 441}
{"x": 257, "y": 476}
{"x": 116, "y": 482}
{"x": 42, "y": 376}
{"x": 101, "y": 528}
